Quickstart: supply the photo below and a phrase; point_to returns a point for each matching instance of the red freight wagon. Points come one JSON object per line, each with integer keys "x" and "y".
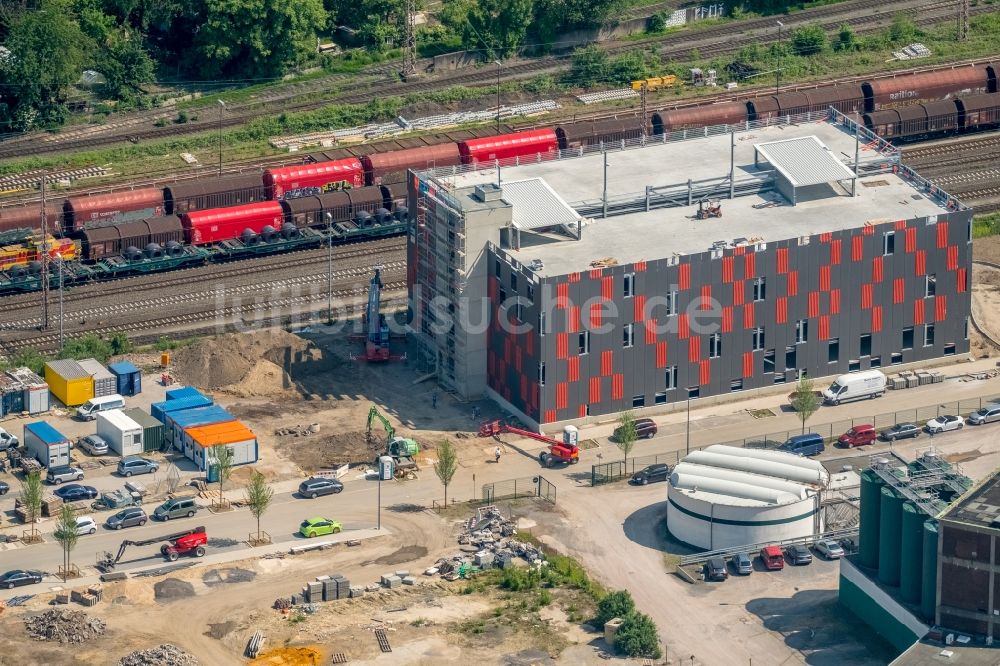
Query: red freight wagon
{"x": 976, "y": 111}
{"x": 327, "y": 176}
{"x": 219, "y": 224}
{"x": 380, "y": 165}
{"x": 523, "y": 144}
{"x": 672, "y": 120}
{"x": 30, "y": 217}
{"x": 917, "y": 88}
{"x": 84, "y": 210}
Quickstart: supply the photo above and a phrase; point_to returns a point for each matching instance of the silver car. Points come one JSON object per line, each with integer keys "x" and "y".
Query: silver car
{"x": 126, "y": 518}
{"x": 93, "y": 444}
{"x": 831, "y": 550}
{"x": 986, "y": 414}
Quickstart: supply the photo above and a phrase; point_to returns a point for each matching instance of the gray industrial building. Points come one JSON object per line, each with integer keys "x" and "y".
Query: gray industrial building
{"x": 577, "y": 287}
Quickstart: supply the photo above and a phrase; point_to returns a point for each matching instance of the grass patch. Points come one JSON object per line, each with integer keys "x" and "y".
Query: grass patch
{"x": 986, "y": 225}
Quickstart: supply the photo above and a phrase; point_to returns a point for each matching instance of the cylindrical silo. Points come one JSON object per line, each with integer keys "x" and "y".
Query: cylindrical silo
{"x": 890, "y": 533}
{"x": 911, "y": 554}
{"x": 928, "y": 588}
{"x": 871, "y": 493}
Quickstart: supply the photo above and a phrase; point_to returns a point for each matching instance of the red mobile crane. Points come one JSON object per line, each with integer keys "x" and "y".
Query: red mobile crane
{"x": 191, "y": 542}
{"x": 559, "y": 451}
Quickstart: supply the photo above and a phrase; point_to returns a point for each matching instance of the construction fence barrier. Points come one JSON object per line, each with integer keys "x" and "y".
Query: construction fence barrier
{"x": 527, "y": 486}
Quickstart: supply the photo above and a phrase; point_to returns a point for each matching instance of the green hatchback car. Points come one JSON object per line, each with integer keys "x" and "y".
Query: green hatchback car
{"x": 314, "y": 527}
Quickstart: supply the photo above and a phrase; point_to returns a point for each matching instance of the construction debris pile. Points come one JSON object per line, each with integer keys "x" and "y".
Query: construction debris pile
{"x": 161, "y": 655}
{"x": 64, "y": 626}
{"x": 488, "y": 541}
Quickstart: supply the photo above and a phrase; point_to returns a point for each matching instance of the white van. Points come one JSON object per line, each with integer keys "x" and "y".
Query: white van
{"x": 855, "y": 386}
{"x": 89, "y": 410}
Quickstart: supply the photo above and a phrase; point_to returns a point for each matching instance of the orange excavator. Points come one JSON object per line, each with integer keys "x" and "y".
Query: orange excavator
{"x": 563, "y": 451}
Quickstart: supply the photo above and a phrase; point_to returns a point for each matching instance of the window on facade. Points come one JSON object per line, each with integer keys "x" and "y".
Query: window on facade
{"x": 513, "y": 281}
{"x": 660, "y": 398}
{"x": 758, "y": 338}
{"x": 628, "y": 335}
{"x": 715, "y": 345}
{"x": 671, "y": 303}
{"x": 541, "y": 374}
{"x": 671, "y": 378}
{"x": 930, "y": 285}
{"x": 966, "y": 328}
{"x": 736, "y": 385}
{"x": 928, "y": 335}
{"x": 769, "y": 361}
{"x": 949, "y": 349}
{"x": 853, "y": 365}
{"x": 801, "y": 331}
{"x": 908, "y": 337}
{"x": 531, "y": 293}
{"x": 519, "y": 311}
{"x": 638, "y": 401}
{"x": 496, "y": 269}
{"x": 865, "y": 345}
{"x": 694, "y": 392}
{"x": 541, "y": 323}
{"x": 629, "y": 285}
{"x": 790, "y": 358}
{"x": 889, "y": 242}
{"x": 501, "y": 297}
{"x": 896, "y": 358}
{"x": 875, "y": 362}
{"x": 833, "y": 351}
{"x": 584, "y": 343}
{"x": 759, "y": 289}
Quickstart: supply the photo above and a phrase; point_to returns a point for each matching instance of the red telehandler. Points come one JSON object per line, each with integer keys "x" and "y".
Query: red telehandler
{"x": 559, "y": 451}
{"x": 189, "y": 542}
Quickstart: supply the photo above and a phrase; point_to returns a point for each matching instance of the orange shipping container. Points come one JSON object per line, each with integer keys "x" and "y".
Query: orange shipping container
{"x": 233, "y": 434}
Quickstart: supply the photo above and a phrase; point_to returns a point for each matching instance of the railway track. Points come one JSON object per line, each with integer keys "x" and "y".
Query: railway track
{"x": 857, "y": 13}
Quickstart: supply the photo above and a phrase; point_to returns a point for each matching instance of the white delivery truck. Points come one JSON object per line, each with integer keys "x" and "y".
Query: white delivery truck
{"x": 855, "y": 386}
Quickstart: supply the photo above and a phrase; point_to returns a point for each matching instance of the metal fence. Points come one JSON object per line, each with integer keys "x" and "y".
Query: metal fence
{"x": 618, "y": 469}
{"x": 526, "y": 486}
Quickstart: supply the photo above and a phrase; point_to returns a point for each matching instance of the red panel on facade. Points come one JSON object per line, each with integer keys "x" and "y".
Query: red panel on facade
{"x": 650, "y": 325}
{"x": 920, "y": 262}
{"x": 749, "y": 265}
{"x": 524, "y": 386}
{"x": 595, "y": 273}
{"x": 857, "y": 248}
{"x": 898, "y": 290}
{"x": 694, "y": 349}
{"x": 506, "y": 348}
{"x": 876, "y": 319}
{"x": 573, "y": 277}
{"x": 911, "y": 239}
{"x": 728, "y": 267}
{"x": 562, "y": 345}
{"x": 661, "y": 354}
{"x": 781, "y": 310}
{"x": 683, "y": 327}
{"x": 835, "y": 251}
{"x": 940, "y": 308}
{"x": 706, "y": 297}
{"x": 639, "y": 307}
{"x": 747, "y": 364}
{"x": 813, "y": 303}
{"x": 639, "y": 267}
{"x": 727, "y": 319}
{"x": 748, "y": 315}
{"x": 962, "y": 280}
{"x": 866, "y": 295}
{"x": 573, "y": 319}
{"x": 868, "y": 230}
{"x": 824, "y": 327}
{"x": 529, "y": 343}
{"x": 573, "y": 368}
{"x": 942, "y": 235}
{"x": 740, "y": 250}
{"x": 550, "y": 416}
{"x": 739, "y": 290}
{"x": 705, "y": 373}
{"x": 835, "y": 301}
{"x": 607, "y": 288}
{"x": 878, "y": 269}
{"x": 562, "y": 395}
{"x": 684, "y": 276}
{"x": 582, "y": 411}
{"x": 900, "y": 225}
{"x": 793, "y": 283}
{"x": 617, "y": 386}
{"x": 952, "y": 257}
{"x": 518, "y": 353}
{"x": 825, "y": 237}
{"x": 782, "y": 259}
{"x": 596, "y": 310}
{"x": 562, "y": 296}
{"x": 824, "y": 278}
{"x": 918, "y": 311}
{"x": 607, "y": 363}
{"x": 595, "y": 390}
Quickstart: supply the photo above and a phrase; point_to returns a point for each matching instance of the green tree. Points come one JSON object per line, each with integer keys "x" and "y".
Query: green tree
{"x": 126, "y": 66}
{"x": 381, "y": 24}
{"x": 120, "y": 343}
{"x": 628, "y": 67}
{"x": 612, "y": 605}
{"x": 846, "y": 39}
{"x": 637, "y": 637}
{"x": 804, "y": 400}
{"x": 590, "y": 66}
{"x": 446, "y": 465}
{"x": 31, "y": 499}
{"x": 66, "y": 535}
{"x": 498, "y": 26}
{"x": 808, "y": 40}
{"x": 223, "y": 456}
{"x": 87, "y": 346}
{"x": 903, "y": 30}
{"x": 626, "y": 435}
{"x": 552, "y": 17}
{"x": 258, "y": 496}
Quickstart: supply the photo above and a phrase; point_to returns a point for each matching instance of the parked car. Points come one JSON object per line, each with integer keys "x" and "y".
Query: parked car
{"x": 809, "y": 444}
{"x": 651, "y": 474}
{"x": 316, "y": 486}
{"x": 944, "y": 424}
{"x": 85, "y": 525}
{"x": 129, "y": 466}
{"x": 93, "y": 444}
{"x": 900, "y": 431}
{"x": 644, "y": 429}
{"x": 314, "y": 527}
{"x": 831, "y": 550}
{"x": 742, "y": 564}
{"x": 7, "y": 440}
{"x": 17, "y": 577}
{"x": 180, "y": 507}
{"x": 75, "y": 492}
{"x": 715, "y": 569}
{"x": 57, "y": 475}
{"x": 855, "y": 386}
{"x": 859, "y": 435}
{"x": 127, "y": 518}
{"x": 986, "y": 414}
{"x": 4, "y": 488}
{"x": 772, "y": 558}
{"x": 89, "y": 410}
{"x": 799, "y": 555}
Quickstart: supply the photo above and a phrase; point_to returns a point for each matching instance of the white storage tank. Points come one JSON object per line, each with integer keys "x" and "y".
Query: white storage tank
{"x": 123, "y": 435}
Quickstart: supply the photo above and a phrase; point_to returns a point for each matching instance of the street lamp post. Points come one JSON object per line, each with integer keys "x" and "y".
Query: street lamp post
{"x": 329, "y": 269}
{"x": 498, "y": 64}
{"x": 222, "y": 107}
{"x": 777, "y": 70}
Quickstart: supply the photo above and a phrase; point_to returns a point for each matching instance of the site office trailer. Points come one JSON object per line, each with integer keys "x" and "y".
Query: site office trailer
{"x": 123, "y": 434}
{"x": 240, "y": 440}
{"x": 69, "y": 382}
{"x": 46, "y": 444}
{"x": 152, "y": 430}
{"x": 160, "y": 410}
{"x": 725, "y": 321}
{"x": 177, "y": 422}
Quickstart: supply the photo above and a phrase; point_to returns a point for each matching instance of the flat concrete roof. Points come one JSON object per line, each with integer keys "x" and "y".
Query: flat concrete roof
{"x": 980, "y": 506}
{"x": 662, "y": 232}
{"x": 926, "y": 653}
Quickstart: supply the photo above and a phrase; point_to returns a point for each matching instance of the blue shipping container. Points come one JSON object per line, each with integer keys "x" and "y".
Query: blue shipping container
{"x": 159, "y": 410}
{"x": 183, "y": 392}
{"x": 191, "y": 418}
{"x": 128, "y": 376}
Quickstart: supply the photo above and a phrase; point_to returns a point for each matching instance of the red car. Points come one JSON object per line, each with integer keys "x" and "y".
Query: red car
{"x": 772, "y": 557}
{"x": 858, "y": 436}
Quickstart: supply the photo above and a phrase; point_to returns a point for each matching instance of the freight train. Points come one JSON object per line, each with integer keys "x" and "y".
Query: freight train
{"x": 921, "y": 121}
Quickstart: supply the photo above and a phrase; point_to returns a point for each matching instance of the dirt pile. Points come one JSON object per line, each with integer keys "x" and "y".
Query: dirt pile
{"x": 320, "y": 451}
{"x": 64, "y": 626}
{"x": 262, "y": 363}
{"x": 161, "y": 655}
{"x": 169, "y": 589}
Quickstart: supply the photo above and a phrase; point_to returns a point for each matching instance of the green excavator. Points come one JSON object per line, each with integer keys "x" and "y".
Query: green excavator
{"x": 401, "y": 449}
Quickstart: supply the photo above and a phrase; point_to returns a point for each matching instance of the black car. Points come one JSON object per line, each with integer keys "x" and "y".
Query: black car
{"x": 12, "y": 579}
{"x": 4, "y": 488}
{"x": 715, "y": 569}
{"x": 314, "y": 487}
{"x": 75, "y": 492}
{"x": 799, "y": 555}
{"x": 644, "y": 429}
{"x": 900, "y": 431}
{"x": 651, "y": 474}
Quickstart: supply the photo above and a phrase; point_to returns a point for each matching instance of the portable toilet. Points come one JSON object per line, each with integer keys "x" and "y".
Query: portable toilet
{"x": 128, "y": 377}
{"x": 69, "y": 382}
{"x": 105, "y": 383}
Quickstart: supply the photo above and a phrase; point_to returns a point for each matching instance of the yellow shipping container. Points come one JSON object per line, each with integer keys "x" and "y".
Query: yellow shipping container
{"x": 69, "y": 382}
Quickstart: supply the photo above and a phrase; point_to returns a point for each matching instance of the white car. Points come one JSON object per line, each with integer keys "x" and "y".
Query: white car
{"x": 7, "y": 440}
{"x": 944, "y": 423}
{"x": 85, "y": 525}
{"x": 831, "y": 550}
